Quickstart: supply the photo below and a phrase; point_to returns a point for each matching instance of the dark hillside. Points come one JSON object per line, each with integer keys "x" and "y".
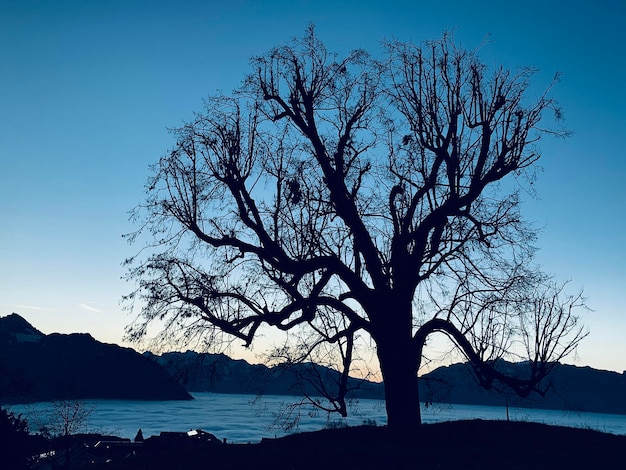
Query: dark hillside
{"x": 568, "y": 388}
{"x": 38, "y": 367}
{"x": 217, "y": 373}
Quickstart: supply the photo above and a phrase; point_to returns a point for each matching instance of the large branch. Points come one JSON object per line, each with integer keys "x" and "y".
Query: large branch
{"x": 300, "y": 108}
{"x": 486, "y": 373}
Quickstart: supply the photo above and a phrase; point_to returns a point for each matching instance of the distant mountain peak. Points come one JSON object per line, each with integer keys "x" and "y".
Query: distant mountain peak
{"x": 39, "y": 367}
{"x": 14, "y": 327}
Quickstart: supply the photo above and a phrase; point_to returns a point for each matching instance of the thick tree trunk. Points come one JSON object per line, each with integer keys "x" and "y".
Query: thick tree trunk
{"x": 401, "y": 388}
{"x": 399, "y": 364}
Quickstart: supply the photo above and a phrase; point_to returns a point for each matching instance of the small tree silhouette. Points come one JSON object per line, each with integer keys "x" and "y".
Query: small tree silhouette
{"x": 14, "y": 434}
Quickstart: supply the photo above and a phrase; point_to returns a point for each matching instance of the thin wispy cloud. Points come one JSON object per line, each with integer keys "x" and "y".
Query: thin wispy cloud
{"x": 32, "y": 307}
{"x": 89, "y": 308}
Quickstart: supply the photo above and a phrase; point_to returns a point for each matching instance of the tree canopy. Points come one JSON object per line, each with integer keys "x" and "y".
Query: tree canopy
{"x": 350, "y": 197}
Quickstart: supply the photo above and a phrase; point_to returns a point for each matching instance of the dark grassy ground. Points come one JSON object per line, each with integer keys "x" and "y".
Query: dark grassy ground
{"x": 452, "y": 445}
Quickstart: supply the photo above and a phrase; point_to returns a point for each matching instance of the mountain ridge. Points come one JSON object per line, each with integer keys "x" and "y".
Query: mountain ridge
{"x": 567, "y": 387}
{"x": 218, "y": 373}
{"x": 39, "y": 367}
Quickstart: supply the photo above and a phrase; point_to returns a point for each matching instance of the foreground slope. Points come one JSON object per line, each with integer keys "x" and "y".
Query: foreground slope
{"x": 451, "y": 445}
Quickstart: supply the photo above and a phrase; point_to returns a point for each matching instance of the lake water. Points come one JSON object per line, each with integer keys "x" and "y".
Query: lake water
{"x": 246, "y": 418}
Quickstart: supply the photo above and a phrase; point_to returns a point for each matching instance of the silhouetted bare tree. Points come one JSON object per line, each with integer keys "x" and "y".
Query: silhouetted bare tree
{"x": 348, "y": 197}
{"x": 64, "y": 418}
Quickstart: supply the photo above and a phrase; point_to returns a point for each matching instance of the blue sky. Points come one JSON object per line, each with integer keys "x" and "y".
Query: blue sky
{"x": 88, "y": 89}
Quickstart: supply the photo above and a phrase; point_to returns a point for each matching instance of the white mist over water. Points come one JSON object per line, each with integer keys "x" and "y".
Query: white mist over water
{"x": 247, "y": 418}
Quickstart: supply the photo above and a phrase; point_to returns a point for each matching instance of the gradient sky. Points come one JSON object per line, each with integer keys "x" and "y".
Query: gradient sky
{"x": 88, "y": 89}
